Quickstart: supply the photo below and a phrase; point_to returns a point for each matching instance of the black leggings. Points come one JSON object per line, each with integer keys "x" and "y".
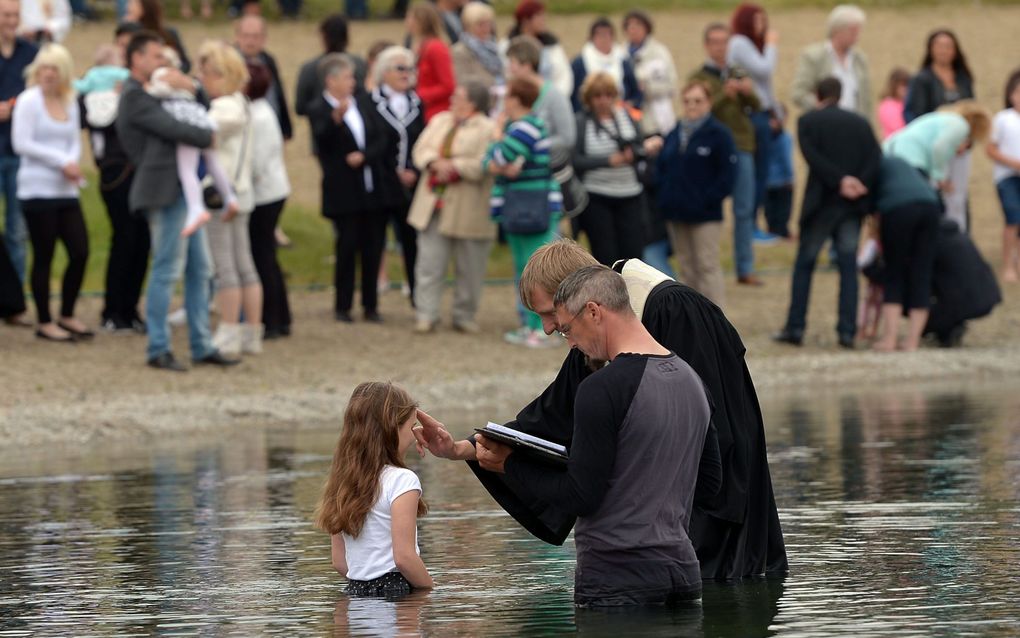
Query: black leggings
{"x": 49, "y": 220}
{"x": 262, "y": 229}
{"x": 908, "y": 247}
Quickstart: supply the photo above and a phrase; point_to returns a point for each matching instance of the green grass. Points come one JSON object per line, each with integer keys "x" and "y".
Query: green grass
{"x": 307, "y": 265}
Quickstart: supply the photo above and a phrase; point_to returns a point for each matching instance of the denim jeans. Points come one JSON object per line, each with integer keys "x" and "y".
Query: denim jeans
{"x": 744, "y": 207}
{"x": 845, "y": 228}
{"x": 172, "y": 255}
{"x": 15, "y": 230}
{"x": 656, "y": 255}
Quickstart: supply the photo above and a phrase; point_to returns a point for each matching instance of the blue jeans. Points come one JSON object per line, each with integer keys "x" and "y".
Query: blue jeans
{"x": 845, "y": 229}
{"x": 656, "y": 255}
{"x": 172, "y": 255}
{"x": 15, "y": 231}
{"x": 744, "y": 207}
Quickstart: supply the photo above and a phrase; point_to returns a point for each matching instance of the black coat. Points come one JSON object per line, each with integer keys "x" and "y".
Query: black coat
{"x": 343, "y": 187}
{"x": 405, "y": 132}
{"x": 735, "y": 531}
{"x": 836, "y": 143}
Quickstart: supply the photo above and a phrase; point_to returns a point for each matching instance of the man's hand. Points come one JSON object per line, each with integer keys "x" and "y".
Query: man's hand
{"x": 432, "y": 435}
{"x": 355, "y": 159}
{"x": 491, "y": 455}
{"x": 407, "y": 177}
{"x": 851, "y": 188}
{"x": 178, "y": 80}
{"x": 6, "y": 108}
{"x": 339, "y": 112}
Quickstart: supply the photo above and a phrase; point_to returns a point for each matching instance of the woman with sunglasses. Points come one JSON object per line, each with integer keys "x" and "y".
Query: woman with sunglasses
{"x": 402, "y": 111}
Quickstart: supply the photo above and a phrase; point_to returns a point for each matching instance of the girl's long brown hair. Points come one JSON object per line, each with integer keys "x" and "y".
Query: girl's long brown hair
{"x": 368, "y": 442}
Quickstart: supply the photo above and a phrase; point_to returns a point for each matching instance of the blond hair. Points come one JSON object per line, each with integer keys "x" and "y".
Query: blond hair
{"x": 224, "y": 60}
{"x": 549, "y": 266}
{"x": 600, "y": 83}
{"x": 977, "y": 117}
{"x": 59, "y": 58}
{"x": 475, "y": 12}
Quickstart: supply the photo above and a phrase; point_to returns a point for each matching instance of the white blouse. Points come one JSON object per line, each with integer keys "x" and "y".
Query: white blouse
{"x": 46, "y": 146}
{"x": 268, "y": 168}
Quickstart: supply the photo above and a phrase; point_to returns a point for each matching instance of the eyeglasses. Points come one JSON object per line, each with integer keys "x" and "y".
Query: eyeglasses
{"x": 402, "y": 68}
{"x": 694, "y": 100}
{"x": 564, "y": 330}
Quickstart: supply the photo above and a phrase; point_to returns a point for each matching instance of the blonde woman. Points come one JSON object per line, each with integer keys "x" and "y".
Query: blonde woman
{"x": 476, "y": 56}
{"x": 46, "y": 133}
{"x": 224, "y": 75}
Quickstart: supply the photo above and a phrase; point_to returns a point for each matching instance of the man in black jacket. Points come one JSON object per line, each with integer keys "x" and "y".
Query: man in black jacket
{"x": 843, "y": 157}
{"x": 250, "y": 37}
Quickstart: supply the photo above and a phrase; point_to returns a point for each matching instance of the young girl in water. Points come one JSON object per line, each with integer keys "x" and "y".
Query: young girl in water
{"x": 371, "y": 501}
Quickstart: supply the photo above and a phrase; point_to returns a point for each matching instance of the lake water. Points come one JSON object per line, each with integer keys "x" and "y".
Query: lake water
{"x": 901, "y": 509}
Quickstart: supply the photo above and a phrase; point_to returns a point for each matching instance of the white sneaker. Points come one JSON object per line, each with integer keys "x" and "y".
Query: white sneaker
{"x": 228, "y": 339}
{"x": 177, "y": 317}
{"x": 517, "y": 337}
{"x": 538, "y": 339}
{"x": 251, "y": 338}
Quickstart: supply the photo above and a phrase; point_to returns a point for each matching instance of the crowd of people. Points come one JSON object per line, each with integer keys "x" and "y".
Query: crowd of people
{"x": 455, "y": 137}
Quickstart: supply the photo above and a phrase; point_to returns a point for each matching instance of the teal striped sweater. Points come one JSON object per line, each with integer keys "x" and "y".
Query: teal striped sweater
{"x": 526, "y": 141}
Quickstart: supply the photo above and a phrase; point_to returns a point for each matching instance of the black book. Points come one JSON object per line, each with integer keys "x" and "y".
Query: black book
{"x": 537, "y": 448}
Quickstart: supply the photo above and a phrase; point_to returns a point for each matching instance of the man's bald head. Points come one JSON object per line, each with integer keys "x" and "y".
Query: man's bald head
{"x": 250, "y": 34}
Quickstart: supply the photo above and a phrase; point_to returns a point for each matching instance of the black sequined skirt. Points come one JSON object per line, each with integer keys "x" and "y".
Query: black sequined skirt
{"x": 391, "y": 584}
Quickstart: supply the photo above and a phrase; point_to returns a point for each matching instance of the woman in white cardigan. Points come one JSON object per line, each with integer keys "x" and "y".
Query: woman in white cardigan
{"x": 271, "y": 189}
{"x": 46, "y": 134}
{"x": 224, "y": 74}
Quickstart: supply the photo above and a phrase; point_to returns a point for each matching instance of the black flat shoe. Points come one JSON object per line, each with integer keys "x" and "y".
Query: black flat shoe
{"x": 166, "y": 361}
{"x": 45, "y": 337}
{"x": 84, "y": 335}
{"x": 373, "y": 316}
{"x": 789, "y": 337}
{"x": 216, "y": 359}
{"x": 344, "y": 317}
{"x": 846, "y": 341}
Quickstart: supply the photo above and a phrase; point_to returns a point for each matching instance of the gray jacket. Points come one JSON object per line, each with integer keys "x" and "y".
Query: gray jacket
{"x": 150, "y": 137}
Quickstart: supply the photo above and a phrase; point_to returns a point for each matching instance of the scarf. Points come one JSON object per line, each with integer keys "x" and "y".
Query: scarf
{"x": 595, "y": 61}
{"x": 487, "y": 52}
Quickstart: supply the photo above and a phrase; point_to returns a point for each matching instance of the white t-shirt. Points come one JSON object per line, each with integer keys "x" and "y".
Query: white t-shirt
{"x": 370, "y": 555}
{"x": 1006, "y": 135}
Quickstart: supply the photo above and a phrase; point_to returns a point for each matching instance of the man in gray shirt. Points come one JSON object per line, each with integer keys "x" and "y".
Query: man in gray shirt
{"x": 641, "y": 425}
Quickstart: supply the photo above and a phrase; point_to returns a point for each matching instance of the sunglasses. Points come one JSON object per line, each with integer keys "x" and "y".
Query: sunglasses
{"x": 402, "y": 68}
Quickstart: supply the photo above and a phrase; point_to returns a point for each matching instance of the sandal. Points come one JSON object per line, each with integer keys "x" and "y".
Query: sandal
{"x": 76, "y": 334}
{"x": 48, "y": 337}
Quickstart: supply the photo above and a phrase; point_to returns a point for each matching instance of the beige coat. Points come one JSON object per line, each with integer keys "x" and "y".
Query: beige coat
{"x": 815, "y": 64}
{"x": 465, "y": 213}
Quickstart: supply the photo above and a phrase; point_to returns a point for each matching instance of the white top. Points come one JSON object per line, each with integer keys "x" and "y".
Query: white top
{"x": 760, "y": 66}
{"x": 46, "y": 146}
{"x": 268, "y": 168}
{"x": 356, "y": 125}
{"x": 232, "y": 118}
{"x": 1006, "y": 135}
{"x": 45, "y": 15}
{"x": 844, "y": 72}
{"x": 370, "y": 555}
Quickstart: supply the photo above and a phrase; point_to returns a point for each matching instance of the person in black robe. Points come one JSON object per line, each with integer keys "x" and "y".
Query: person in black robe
{"x": 735, "y": 531}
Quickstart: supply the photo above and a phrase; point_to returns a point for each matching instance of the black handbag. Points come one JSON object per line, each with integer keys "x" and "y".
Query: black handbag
{"x": 525, "y": 212}
{"x": 575, "y": 195}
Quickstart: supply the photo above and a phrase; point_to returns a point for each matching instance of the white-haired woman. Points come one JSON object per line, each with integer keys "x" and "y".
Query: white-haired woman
{"x": 402, "y": 111}
{"x": 46, "y": 134}
{"x": 476, "y": 56}
{"x": 839, "y": 57}
{"x": 224, "y": 75}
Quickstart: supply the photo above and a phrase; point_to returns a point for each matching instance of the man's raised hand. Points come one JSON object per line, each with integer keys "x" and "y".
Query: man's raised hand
{"x": 432, "y": 435}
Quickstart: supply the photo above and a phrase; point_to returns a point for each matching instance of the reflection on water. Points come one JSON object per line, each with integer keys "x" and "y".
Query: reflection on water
{"x": 899, "y": 507}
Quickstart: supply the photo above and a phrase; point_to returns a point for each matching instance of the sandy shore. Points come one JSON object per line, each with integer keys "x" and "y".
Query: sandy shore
{"x": 90, "y": 393}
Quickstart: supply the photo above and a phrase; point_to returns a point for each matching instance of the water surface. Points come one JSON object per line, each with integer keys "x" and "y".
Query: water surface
{"x": 900, "y": 508}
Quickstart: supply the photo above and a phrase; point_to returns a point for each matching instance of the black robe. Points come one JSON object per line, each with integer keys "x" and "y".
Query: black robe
{"x": 736, "y": 532}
